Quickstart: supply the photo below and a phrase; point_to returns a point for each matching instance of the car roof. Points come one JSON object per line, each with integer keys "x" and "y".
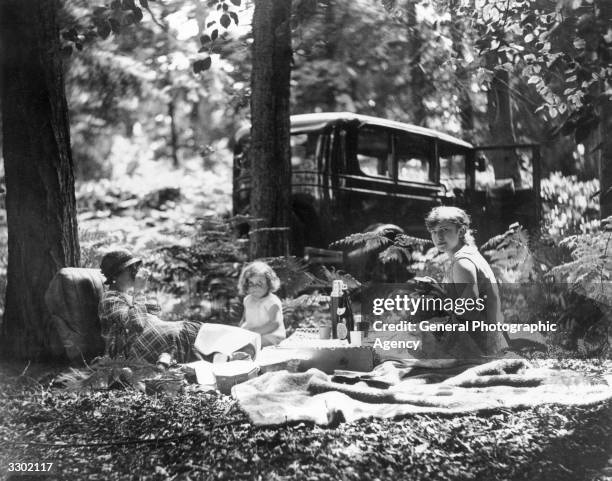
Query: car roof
{"x": 317, "y": 121}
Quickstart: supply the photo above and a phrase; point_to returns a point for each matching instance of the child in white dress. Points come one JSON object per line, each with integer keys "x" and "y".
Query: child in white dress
{"x": 263, "y": 311}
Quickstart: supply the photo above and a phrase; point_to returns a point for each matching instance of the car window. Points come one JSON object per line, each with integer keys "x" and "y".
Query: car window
{"x": 414, "y": 157}
{"x": 303, "y": 151}
{"x": 452, "y": 171}
{"x": 374, "y": 152}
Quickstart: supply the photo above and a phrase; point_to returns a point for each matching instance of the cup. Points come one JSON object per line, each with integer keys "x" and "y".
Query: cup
{"x": 356, "y": 338}
{"x": 324, "y": 332}
{"x": 362, "y": 326}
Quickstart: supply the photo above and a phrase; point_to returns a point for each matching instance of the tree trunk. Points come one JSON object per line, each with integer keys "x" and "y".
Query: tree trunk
{"x": 605, "y": 127}
{"x": 173, "y": 134}
{"x": 417, "y": 77}
{"x": 270, "y": 128}
{"x": 501, "y": 126}
{"x": 466, "y": 110}
{"x": 40, "y": 200}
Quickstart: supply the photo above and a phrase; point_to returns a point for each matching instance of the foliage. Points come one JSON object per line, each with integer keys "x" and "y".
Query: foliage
{"x": 565, "y": 282}
{"x": 590, "y": 271}
{"x": 393, "y": 251}
{"x": 141, "y": 84}
{"x": 561, "y": 47}
{"x": 569, "y": 206}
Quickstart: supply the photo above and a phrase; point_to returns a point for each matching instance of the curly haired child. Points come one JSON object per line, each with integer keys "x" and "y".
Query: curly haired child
{"x": 262, "y": 308}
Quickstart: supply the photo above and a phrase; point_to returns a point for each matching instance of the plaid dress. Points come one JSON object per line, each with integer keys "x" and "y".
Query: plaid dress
{"x": 132, "y": 328}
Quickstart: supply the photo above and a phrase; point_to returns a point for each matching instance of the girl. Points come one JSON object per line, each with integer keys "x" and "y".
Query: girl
{"x": 130, "y": 326}
{"x": 262, "y": 309}
{"x": 469, "y": 275}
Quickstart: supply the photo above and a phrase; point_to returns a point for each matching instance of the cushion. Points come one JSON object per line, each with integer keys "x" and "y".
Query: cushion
{"x": 72, "y": 299}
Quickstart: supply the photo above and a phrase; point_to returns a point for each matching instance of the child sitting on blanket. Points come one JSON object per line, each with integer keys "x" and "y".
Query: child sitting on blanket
{"x": 263, "y": 312}
{"x": 469, "y": 275}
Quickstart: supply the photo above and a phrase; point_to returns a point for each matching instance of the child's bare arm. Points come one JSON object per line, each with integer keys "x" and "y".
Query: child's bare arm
{"x": 273, "y": 322}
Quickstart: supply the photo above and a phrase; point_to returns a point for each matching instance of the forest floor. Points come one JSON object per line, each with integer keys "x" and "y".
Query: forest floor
{"x": 120, "y": 434}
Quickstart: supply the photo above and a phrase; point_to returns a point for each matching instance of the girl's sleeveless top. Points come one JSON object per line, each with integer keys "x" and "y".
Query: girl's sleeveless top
{"x": 487, "y": 286}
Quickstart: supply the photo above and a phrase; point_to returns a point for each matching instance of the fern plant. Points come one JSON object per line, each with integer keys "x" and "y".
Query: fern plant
{"x": 566, "y": 283}
{"x": 384, "y": 254}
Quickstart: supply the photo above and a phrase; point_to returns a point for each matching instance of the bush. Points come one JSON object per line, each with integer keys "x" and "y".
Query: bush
{"x": 569, "y": 206}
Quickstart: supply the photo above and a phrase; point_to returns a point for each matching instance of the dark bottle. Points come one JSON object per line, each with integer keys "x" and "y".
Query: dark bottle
{"x": 342, "y": 313}
{"x": 335, "y": 306}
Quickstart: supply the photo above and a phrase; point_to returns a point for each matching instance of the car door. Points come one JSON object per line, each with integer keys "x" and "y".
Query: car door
{"x": 416, "y": 173}
{"x": 367, "y": 182}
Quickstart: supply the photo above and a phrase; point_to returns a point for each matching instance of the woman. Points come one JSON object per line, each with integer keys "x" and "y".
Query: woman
{"x": 469, "y": 275}
{"x": 130, "y": 326}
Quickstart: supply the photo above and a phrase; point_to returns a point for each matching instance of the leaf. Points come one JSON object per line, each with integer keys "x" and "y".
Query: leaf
{"x": 114, "y": 24}
{"x": 204, "y": 39}
{"x": 104, "y": 29}
{"x": 202, "y": 65}
{"x": 129, "y": 19}
{"x": 137, "y": 14}
{"x": 236, "y": 2}
{"x": 144, "y": 3}
{"x": 214, "y": 34}
{"x": 225, "y": 20}
{"x": 210, "y": 24}
{"x": 128, "y": 5}
{"x": 234, "y": 16}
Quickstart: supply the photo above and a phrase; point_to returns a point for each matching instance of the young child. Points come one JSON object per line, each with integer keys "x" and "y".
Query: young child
{"x": 262, "y": 309}
{"x": 469, "y": 275}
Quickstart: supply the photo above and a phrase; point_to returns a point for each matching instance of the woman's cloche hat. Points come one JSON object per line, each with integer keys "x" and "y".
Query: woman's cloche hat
{"x": 116, "y": 261}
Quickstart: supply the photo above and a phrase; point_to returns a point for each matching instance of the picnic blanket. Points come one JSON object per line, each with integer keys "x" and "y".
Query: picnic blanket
{"x": 395, "y": 389}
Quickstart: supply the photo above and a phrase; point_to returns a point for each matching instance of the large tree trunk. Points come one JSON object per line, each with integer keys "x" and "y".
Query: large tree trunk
{"x": 40, "y": 201}
{"x": 501, "y": 126}
{"x": 605, "y": 127}
{"x": 270, "y": 131}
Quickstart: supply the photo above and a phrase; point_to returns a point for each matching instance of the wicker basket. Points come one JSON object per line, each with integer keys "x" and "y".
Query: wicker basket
{"x": 241, "y": 371}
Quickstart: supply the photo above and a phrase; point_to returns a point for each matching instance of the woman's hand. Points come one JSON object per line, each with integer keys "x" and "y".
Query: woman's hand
{"x": 140, "y": 282}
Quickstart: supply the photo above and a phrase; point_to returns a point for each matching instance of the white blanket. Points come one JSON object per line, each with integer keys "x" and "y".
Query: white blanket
{"x": 281, "y": 397}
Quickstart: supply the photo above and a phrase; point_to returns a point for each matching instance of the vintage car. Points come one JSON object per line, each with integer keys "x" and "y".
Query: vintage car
{"x": 351, "y": 173}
